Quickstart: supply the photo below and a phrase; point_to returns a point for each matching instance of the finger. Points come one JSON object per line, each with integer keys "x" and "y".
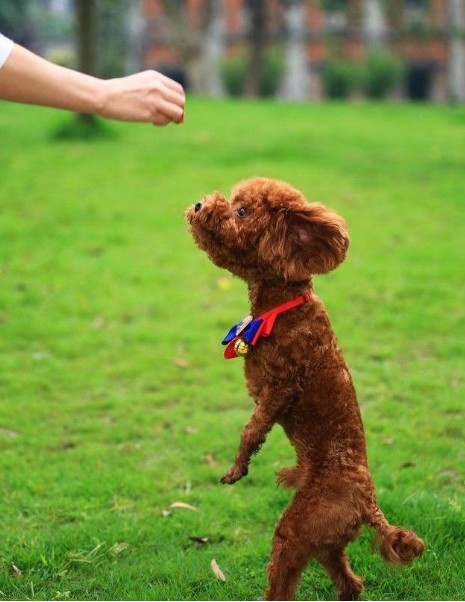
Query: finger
{"x": 167, "y": 81}
{"x": 173, "y": 85}
{"x": 167, "y": 109}
{"x": 173, "y": 97}
{"x": 155, "y": 77}
{"x": 161, "y": 120}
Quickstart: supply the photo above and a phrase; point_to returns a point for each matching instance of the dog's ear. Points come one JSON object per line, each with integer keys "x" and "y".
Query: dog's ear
{"x": 305, "y": 241}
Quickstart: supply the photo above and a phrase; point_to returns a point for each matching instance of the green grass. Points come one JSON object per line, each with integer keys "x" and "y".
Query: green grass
{"x": 115, "y": 399}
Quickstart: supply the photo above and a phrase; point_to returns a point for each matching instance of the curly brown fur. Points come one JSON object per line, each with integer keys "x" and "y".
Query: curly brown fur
{"x": 271, "y": 237}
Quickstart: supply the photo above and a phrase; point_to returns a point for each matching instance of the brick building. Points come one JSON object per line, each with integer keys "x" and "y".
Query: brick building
{"x": 423, "y": 32}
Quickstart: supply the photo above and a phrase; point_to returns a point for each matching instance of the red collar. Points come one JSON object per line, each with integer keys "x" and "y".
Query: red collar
{"x": 244, "y": 335}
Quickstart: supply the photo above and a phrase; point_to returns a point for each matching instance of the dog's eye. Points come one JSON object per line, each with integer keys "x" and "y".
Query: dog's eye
{"x": 241, "y": 212}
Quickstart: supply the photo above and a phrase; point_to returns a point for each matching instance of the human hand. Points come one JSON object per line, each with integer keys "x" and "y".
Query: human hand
{"x": 235, "y": 473}
{"x": 148, "y": 97}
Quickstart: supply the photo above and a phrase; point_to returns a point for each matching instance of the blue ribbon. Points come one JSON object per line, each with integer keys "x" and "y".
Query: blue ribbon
{"x": 247, "y": 334}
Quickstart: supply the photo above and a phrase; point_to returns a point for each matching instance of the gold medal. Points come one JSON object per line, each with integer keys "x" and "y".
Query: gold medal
{"x": 241, "y": 347}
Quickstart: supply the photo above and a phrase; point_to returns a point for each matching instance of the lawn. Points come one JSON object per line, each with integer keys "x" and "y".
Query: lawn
{"x": 115, "y": 399}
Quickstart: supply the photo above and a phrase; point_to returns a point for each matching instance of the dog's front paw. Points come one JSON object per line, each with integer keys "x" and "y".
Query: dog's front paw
{"x": 234, "y": 474}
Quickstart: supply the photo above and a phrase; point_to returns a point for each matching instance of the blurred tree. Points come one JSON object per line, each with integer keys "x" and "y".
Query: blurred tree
{"x": 86, "y": 39}
{"x": 456, "y": 59}
{"x": 295, "y": 84}
{"x": 102, "y": 37}
{"x": 136, "y": 26}
{"x": 257, "y": 37}
{"x": 86, "y": 44}
{"x": 15, "y": 21}
{"x": 113, "y": 37}
{"x": 394, "y": 13}
{"x": 101, "y": 40}
{"x": 333, "y": 5}
{"x": 374, "y": 25}
{"x": 199, "y": 47}
{"x": 53, "y": 31}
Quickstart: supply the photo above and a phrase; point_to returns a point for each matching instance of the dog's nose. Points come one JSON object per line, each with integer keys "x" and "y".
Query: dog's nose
{"x": 198, "y": 206}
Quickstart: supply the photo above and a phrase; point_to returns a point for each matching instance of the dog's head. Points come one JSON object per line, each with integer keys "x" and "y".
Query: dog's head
{"x": 268, "y": 231}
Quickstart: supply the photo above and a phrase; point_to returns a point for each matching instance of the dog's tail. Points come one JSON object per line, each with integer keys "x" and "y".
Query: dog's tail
{"x": 395, "y": 544}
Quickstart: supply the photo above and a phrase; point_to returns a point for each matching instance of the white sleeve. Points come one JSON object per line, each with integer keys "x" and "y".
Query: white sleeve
{"x": 6, "y": 46}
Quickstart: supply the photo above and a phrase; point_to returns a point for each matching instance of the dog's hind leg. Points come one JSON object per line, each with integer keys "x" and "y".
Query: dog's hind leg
{"x": 334, "y": 560}
{"x": 289, "y": 558}
{"x": 314, "y": 526}
{"x": 290, "y": 552}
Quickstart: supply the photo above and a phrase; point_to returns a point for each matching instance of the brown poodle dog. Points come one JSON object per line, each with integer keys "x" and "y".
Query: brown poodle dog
{"x": 272, "y": 238}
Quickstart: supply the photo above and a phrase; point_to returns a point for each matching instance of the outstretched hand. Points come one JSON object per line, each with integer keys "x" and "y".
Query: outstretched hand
{"x": 148, "y": 96}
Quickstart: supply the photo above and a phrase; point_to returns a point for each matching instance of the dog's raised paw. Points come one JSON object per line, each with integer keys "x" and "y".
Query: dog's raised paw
{"x": 234, "y": 474}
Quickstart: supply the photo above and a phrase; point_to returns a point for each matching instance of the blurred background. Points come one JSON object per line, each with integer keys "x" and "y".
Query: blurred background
{"x": 115, "y": 401}
{"x": 302, "y": 50}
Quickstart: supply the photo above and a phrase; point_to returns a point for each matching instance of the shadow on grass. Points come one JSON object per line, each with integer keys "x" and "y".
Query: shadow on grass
{"x": 82, "y": 128}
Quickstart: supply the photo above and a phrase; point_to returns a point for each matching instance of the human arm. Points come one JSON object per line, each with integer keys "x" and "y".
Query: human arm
{"x": 148, "y": 96}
